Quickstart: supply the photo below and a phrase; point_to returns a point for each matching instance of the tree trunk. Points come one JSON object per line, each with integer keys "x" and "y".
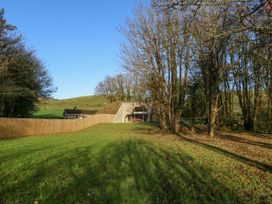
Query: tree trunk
{"x": 213, "y": 109}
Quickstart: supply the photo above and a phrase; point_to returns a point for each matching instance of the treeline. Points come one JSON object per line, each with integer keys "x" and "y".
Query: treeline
{"x": 23, "y": 77}
{"x": 202, "y": 55}
{"x": 121, "y": 88}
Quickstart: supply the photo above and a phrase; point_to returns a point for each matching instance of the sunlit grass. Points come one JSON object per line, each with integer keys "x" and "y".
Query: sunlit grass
{"x": 125, "y": 163}
{"x": 51, "y": 113}
{"x": 53, "y": 109}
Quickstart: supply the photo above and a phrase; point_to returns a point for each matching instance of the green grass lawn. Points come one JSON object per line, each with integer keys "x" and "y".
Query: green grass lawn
{"x": 128, "y": 163}
{"x": 49, "y": 113}
{"x": 84, "y": 102}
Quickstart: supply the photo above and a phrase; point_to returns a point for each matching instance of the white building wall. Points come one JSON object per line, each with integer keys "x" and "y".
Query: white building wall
{"x": 124, "y": 110}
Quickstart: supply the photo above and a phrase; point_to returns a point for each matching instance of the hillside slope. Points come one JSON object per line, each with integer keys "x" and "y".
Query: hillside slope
{"x": 54, "y": 108}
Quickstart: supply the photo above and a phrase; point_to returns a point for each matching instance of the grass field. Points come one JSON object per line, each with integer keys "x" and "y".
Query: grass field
{"x": 135, "y": 163}
{"x": 49, "y": 113}
{"x": 53, "y": 109}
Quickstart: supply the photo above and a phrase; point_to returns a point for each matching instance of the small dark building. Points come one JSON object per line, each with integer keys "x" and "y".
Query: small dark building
{"x": 77, "y": 113}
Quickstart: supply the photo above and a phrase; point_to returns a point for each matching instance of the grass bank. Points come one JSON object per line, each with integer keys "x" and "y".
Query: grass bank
{"x": 53, "y": 109}
{"x": 132, "y": 163}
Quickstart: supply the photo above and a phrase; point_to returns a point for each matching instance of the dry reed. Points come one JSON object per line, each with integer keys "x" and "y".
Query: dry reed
{"x": 17, "y": 127}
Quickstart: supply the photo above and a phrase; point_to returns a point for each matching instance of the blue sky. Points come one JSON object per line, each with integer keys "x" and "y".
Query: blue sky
{"x": 78, "y": 40}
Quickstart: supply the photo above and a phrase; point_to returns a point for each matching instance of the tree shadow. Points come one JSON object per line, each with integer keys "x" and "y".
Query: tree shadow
{"x": 260, "y": 135}
{"x": 253, "y": 163}
{"x": 131, "y": 171}
{"x": 245, "y": 141}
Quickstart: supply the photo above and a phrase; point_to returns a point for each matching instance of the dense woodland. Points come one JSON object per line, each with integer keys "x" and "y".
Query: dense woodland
{"x": 200, "y": 58}
{"x": 23, "y": 77}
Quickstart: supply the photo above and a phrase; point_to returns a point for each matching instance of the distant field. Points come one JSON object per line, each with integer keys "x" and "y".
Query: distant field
{"x": 135, "y": 163}
{"x": 54, "y": 108}
{"x": 49, "y": 113}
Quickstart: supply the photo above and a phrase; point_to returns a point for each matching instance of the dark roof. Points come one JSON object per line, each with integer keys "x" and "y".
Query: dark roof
{"x": 140, "y": 109}
{"x": 78, "y": 111}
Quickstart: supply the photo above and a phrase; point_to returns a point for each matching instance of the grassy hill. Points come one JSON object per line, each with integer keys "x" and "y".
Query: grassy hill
{"x": 135, "y": 163}
{"x": 54, "y": 108}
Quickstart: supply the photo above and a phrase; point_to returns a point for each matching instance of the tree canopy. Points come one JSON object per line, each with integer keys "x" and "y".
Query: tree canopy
{"x": 215, "y": 52}
{"x": 24, "y": 79}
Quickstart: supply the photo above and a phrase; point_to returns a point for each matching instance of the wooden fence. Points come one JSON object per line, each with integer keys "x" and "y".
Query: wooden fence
{"x": 16, "y": 127}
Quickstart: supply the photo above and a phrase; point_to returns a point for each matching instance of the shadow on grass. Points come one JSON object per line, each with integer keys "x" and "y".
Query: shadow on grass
{"x": 253, "y": 163}
{"x": 259, "y": 134}
{"x": 245, "y": 141}
{"x": 131, "y": 171}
